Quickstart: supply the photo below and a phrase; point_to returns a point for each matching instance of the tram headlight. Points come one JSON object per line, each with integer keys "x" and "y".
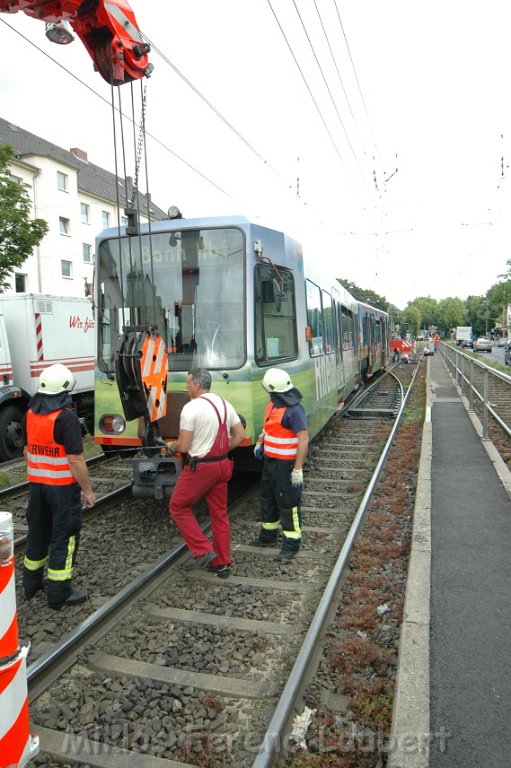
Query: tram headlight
{"x": 112, "y": 424}
{"x": 174, "y": 212}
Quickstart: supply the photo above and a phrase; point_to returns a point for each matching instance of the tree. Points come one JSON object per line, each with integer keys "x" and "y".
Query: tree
{"x": 19, "y": 234}
{"x": 414, "y": 316}
{"x": 365, "y": 295}
{"x": 451, "y": 312}
{"x": 476, "y": 310}
{"x": 499, "y": 296}
{"x": 426, "y": 307}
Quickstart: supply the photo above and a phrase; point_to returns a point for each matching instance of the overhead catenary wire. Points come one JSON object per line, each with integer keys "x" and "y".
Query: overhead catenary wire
{"x": 213, "y": 108}
{"x": 108, "y": 103}
{"x": 154, "y": 138}
{"x": 321, "y": 116}
{"x": 329, "y": 91}
{"x": 180, "y": 158}
{"x": 355, "y": 74}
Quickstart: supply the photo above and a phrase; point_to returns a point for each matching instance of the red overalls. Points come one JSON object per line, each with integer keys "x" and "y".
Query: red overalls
{"x": 206, "y": 477}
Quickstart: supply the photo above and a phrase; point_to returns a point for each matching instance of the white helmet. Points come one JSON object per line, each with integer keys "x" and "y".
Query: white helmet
{"x": 276, "y": 380}
{"x": 56, "y": 379}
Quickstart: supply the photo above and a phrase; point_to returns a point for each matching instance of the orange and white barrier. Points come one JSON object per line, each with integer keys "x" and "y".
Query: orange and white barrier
{"x": 17, "y": 746}
{"x": 154, "y": 372}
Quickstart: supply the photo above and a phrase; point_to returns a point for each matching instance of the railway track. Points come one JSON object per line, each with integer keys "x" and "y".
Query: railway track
{"x": 109, "y": 477}
{"x": 488, "y": 391}
{"x": 188, "y": 668}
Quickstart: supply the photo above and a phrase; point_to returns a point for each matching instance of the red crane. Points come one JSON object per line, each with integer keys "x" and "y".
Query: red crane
{"x": 107, "y": 28}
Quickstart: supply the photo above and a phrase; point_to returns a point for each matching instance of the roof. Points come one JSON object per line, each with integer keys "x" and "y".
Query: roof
{"x": 92, "y": 179}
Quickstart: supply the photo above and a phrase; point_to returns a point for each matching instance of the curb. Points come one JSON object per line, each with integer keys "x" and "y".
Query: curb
{"x": 410, "y": 731}
{"x": 409, "y": 736}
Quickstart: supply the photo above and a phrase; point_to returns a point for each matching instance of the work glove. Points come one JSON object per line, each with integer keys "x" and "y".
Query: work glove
{"x": 297, "y": 478}
{"x": 258, "y": 450}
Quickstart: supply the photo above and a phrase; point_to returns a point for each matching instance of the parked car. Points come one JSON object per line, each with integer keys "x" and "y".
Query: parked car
{"x": 483, "y": 344}
{"x": 502, "y": 342}
{"x": 428, "y": 351}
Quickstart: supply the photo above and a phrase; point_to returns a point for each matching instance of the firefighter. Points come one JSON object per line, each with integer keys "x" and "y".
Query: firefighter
{"x": 283, "y": 443}
{"x": 209, "y": 428}
{"x": 56, "y": 471}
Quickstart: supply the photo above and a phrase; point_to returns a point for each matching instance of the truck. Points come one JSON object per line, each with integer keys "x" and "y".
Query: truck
{"x": 464, "y": 336}
{"x": 38, "y": 330}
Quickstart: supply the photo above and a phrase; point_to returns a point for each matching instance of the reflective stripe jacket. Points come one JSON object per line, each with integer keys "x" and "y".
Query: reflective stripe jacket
{"x": 46, "y": 460}
{"x": 279, "y": 442}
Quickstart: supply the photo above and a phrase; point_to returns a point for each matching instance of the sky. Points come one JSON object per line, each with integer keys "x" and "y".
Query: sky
{"x": 377, "y": 133}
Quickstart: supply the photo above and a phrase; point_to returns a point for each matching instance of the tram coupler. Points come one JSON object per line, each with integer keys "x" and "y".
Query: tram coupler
{"x": 154, "y": 477}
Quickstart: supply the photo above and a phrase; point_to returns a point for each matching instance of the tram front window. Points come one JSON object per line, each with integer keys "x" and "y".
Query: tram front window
{"x": 189, "y": 284}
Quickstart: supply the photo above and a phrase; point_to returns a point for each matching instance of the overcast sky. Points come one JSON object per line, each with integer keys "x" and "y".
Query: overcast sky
{"x": 299, "y": 115}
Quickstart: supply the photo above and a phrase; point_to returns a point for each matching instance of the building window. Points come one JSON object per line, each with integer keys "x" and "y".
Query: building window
{"x": 63, "y": 226}
{"x": 20, "y": 283}
{"x": 106, "y": 219}
{"x": 62, "y": 181}
{"x": 87, "y": 253}
{"x": 124, "y": 221}
{"x": 16, "y": 179}
{"x": 66, "y": 268}
{"x": 85, "y": 213}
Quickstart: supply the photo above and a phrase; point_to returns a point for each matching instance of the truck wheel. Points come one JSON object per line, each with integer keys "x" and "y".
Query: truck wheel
{"x": 11, "y": 433}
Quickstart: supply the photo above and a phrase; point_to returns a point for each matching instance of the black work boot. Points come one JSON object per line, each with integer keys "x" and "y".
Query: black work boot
{"x": 262, "y": 543}
{"x": 75, "y": 597}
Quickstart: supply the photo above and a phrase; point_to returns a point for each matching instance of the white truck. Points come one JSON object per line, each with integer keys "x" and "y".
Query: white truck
{"x": 463, "y": 336}
{"x": 37, "y": 330}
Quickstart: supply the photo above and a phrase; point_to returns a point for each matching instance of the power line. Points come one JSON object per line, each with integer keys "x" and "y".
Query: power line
{"x": 328, "y": 87}
{"x": 355, "y": 73}
{"x": 309, "y": 90}
{"x": 213, "y": 108}
{"x": 92, "y": 90}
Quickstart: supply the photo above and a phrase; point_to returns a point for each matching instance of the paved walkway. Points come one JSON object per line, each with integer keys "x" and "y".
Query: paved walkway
{"x": 453, "y": 699}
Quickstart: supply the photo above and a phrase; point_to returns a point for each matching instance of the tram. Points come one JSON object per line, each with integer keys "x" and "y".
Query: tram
{"x": 232, "y": 296}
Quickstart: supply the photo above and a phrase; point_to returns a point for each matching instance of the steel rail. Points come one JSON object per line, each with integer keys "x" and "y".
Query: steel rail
{"x": 89, "y": 512}
{"x": 69, "y": 642}
{"x": 272, "y": 742}
{"x": 51, "y": 659}
{"x": 100, "y": 458}
{"x": 445, "y": 352}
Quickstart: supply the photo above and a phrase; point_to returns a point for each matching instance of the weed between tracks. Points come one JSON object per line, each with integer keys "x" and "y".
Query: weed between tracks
{"x": 351, "y": 727}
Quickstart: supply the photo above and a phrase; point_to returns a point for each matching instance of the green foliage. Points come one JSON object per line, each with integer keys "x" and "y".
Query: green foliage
{"x": 451, "y": 313}
{"x": 426, "y": 307}
{"x": 498, "y": 296}
{"x": 482, "y": 313}
{"x": 365, "y": 295}
{"x": 19, "y": 234}
{"x": 476, "y": 314}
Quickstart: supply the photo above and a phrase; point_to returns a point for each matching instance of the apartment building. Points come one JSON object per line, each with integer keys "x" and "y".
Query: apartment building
{"x": 78, "y": 199}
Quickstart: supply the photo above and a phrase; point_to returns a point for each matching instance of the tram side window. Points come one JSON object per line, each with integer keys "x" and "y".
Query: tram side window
{"x": 337, "y": 325}
{"x": 347, "y": 328}
{"x": 377, "y": 332}
{"x": 315, "y": 333}
{"x": 328, "y": 317}
{"x": 275, "y": 315}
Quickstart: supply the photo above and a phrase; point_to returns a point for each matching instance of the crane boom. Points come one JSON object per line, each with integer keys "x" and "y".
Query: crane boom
{"x": 107, "y": 28}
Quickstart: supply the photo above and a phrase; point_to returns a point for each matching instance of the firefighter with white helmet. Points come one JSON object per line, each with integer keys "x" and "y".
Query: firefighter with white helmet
{"x": 57, "y": 474}
{"x": 283, "y": 442}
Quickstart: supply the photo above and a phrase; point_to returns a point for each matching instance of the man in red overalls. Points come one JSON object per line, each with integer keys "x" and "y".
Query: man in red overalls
{"x": 209, "y": 428}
